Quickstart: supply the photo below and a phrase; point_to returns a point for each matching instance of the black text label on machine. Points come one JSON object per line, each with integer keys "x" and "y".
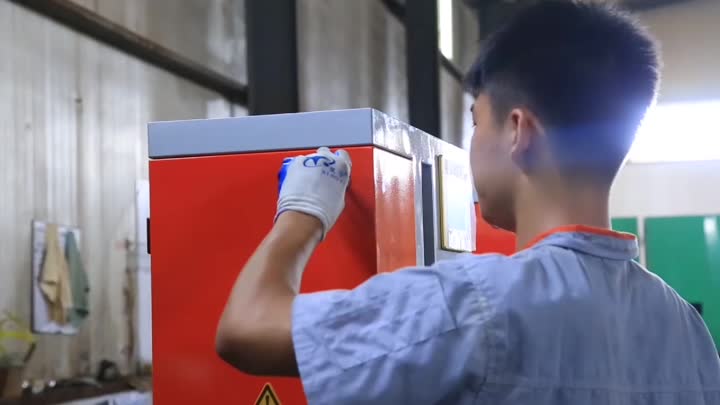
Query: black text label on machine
{"x": 267, "y": 396}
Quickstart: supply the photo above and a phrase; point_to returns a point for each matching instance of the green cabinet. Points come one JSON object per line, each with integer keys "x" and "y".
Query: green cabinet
{"x": 627, "y": 225}
{"x": 685, "y": 252}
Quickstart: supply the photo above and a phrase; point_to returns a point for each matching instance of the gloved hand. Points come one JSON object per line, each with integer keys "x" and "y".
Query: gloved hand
{"x": 315, "y": 185}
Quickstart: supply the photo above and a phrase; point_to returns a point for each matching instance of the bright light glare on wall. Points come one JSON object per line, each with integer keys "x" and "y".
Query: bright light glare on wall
{"x": 445, "y": 27}
{"x": 678, "y": 132}
{"x": 711, "y": 230}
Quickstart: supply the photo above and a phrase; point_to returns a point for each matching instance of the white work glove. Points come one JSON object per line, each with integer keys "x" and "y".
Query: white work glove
{"x": 315, "y": 185}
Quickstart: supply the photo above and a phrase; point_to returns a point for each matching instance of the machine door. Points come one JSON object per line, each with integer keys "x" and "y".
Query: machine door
{"x": 208, "y": 214}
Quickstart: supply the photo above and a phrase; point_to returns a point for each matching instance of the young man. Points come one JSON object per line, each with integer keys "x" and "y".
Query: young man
{"x": 569, "y": 319}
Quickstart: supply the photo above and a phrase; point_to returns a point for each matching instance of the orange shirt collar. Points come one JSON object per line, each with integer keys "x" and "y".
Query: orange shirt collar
{"x": 582, "y": 229}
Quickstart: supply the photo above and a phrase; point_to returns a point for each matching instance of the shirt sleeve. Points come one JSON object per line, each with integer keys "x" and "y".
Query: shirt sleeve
{"x": 412, "y": 336}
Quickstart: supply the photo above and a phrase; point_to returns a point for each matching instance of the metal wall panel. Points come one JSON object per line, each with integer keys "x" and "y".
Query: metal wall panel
{"x": 689, "y": 35}
{"x": 211, "y": 32}
{"x": 351, "y": 55}
{"x": 455, "y": 117}
{"x": 467, "y": 35}
{"x": 72, "y": 145}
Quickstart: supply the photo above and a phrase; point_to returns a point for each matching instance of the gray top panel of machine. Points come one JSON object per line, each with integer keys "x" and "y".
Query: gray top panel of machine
{"x": 261, "y": 133}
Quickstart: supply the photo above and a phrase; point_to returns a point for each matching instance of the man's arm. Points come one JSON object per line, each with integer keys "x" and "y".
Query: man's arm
{"x": 411, "y": 336}
{"x": 254, "y": 334}
{"x": 255, "y": 331}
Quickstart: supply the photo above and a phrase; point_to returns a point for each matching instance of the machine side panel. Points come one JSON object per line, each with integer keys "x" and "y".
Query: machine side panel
{"x": 403, "y": 139}
{"x": 395, "y": 215}
{"x": 208, "y": 215}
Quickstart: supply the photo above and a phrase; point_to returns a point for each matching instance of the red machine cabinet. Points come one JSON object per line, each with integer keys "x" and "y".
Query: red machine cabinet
{"x": 213, "y": 188}
{"x": 208, "y": 215}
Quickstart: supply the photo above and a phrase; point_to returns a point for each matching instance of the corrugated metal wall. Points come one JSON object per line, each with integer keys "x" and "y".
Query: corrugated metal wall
{"x": 72, "y": 145}
{"x": 211, "y": 32}
{"x": 352, "y": 55}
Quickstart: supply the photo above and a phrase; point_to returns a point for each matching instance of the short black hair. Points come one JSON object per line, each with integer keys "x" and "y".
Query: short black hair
{"x": 588, "y": 71}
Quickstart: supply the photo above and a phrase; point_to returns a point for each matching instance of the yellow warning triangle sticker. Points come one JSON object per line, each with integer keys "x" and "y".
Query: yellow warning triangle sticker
{"x": 267, "y": 396}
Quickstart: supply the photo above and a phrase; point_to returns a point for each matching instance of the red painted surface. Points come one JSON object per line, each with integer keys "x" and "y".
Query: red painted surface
{"x": 209, "y": 214}
{"x": 492, "y": 240}
{"x": 395, "y": 211}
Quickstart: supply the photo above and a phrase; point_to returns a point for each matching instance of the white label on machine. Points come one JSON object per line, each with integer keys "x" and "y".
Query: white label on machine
{"x": 456, "y": 205}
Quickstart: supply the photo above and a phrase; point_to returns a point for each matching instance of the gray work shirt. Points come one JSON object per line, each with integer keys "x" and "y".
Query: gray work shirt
{"x": 571, "y": 320}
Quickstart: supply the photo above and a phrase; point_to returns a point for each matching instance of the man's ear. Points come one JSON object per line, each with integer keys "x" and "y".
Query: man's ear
{"x": 527, "y": 133}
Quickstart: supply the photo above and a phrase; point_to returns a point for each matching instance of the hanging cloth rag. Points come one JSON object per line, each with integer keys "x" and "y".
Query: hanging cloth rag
{"x": 78, "y": 281}
{"x": 55, "y": 278}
